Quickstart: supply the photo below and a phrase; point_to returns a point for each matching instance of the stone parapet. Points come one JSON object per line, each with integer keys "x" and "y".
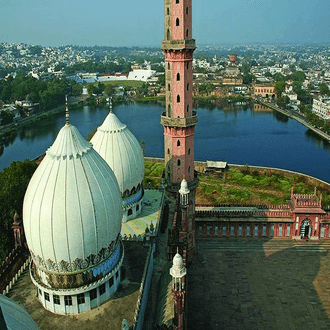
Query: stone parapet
{"x": 179, "y": 122}
{"x": 179, "y": 44}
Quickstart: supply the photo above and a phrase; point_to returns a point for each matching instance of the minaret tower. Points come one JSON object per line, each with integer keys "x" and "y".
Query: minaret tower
{"x": 178, "y": 273}
{"x": 179, "y": 119}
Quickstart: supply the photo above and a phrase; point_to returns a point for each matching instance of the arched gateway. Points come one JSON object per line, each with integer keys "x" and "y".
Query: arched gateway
{"x": 305, "y": 229}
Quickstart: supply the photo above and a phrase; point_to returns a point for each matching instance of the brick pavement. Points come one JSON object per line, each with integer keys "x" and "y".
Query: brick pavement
{"x": 259, "y": 284}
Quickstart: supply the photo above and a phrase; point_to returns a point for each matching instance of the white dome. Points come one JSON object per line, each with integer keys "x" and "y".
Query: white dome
{"x": 184, "y": 187}
{"x": 122, "y": 151}
{"x": 72, "y": 207}
{"x": 15, "y": 316}
{"x": 178, "y": 270}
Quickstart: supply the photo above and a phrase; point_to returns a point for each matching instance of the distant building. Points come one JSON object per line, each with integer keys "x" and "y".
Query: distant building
{"x": 264, "y": 90}
{"x": 141, "y": 74}
{"x": 321, "y": 107}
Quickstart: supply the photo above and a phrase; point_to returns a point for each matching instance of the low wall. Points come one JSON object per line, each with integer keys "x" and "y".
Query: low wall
{"x": 12, "y": 268}
{"x": 148, "y": 271}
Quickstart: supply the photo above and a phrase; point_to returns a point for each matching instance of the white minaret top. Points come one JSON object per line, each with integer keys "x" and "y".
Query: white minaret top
{"x": 125, "y": 325}
{"x": 178, "y": 271}
{"x": 184, "y": 192}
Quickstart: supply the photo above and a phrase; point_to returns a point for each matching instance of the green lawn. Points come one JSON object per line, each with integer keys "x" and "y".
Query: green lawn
{"x": 245, "y": 186}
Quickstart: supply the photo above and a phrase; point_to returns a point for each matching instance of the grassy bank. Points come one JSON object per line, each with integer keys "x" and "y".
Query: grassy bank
{"x": 245, "y": 186}
{"x": 250, "y": 186}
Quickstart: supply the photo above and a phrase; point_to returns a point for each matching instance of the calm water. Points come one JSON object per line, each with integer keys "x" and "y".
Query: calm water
{"x": 236, "y": 135}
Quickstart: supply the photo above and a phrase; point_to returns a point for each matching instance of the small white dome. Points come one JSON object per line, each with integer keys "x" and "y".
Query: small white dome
{"x": 178, "y": 270}
{"x": 15, "y": 316}
{"x": 184, "y": 187}
{"x": 122, "y": 151}
{"x": 72, "y": 207}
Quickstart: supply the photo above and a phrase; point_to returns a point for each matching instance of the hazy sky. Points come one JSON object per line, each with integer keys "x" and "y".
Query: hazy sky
{"x": 140, "y": 23}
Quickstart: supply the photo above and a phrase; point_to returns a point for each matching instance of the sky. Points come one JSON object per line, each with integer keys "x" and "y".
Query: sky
{"x": 141, "y": 23}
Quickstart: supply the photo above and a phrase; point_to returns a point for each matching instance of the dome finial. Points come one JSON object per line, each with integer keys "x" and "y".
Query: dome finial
{"x": 177, "y": 250}
{"x": 67, "y": 116}
{"x": 110, "y": 102}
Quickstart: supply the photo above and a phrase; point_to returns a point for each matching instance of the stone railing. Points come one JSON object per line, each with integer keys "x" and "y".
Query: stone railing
{"x": 12, "y": 268}
{"x": 179, "y": 122}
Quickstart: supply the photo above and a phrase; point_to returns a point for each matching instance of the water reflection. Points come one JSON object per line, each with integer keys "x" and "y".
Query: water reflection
{"x": 280, "y": 117}
{"x": 225, "y": 131}
{"x": 317, "y": 140}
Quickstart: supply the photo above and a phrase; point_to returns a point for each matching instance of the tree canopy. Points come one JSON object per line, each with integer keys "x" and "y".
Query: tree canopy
{"x": 14, "y": 181}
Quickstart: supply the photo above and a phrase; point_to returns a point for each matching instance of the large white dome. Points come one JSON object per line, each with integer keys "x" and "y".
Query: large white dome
{"x": 122, "y": 151}
{"x": 72, "y": 207}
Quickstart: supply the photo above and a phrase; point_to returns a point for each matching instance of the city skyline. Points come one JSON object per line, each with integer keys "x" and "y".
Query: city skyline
{"x": 141, "y": 23}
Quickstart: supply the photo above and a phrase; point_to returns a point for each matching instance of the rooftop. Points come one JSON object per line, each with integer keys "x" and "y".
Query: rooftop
{"x": 149, "y": 214}
{"x": 108, "y": 316}
{"x": 259, "y": 284}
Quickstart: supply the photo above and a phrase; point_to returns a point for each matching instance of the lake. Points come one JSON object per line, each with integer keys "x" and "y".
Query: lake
{"x": 236, "y": 134}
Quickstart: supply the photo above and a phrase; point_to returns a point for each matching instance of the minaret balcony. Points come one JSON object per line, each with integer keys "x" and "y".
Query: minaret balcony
{"x": 179, "y": 122}
{"x": 179, "y": 44}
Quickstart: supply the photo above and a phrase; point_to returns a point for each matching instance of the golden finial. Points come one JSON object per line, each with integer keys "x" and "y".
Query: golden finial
{"x": 67, "y": 116}
{"x": 110, "y": 102}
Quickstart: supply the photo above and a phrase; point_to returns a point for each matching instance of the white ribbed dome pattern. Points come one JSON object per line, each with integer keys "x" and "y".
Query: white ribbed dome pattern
{"x": 121, "y": 150}
{"x": 72, "y": 207}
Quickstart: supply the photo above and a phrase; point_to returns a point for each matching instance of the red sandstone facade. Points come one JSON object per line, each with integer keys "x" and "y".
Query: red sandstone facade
{"x": 302, "y": 218}
{"x": 179, "y": 119}
{"x": 264, "y": 90}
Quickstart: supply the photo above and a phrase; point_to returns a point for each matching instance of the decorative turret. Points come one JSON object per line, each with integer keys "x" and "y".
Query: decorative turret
{"x": 184, "y": 192}
{"x": 178, "y": 273}
{"x": 18, "y": 230}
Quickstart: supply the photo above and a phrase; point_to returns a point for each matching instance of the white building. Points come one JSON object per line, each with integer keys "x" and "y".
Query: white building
{"x": 72, "y": 216}
{"x": 321, "y": 107}
{"x": 141, "y": 75}
{"x": 123, "y": 153}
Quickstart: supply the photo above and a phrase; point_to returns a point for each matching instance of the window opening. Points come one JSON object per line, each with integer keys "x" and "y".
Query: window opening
{"x": 68, "y": 300}
{"x": 81, "y": 298}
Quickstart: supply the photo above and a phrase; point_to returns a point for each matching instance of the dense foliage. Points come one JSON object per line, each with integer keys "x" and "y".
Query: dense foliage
{"x": 48, "y": 94}
{"x": 14, "y": 181}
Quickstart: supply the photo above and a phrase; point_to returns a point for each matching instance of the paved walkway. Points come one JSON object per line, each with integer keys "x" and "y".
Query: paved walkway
{"x": 259, "y": 284}
{"x": 149, "y": 214}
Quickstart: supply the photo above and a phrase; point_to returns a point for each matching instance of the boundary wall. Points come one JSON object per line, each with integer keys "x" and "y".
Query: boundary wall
{"x": 141, "y": 305}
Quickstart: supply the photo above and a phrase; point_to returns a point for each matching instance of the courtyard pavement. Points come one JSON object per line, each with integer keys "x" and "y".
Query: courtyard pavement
{"x": 148, "y": 215}
{"x": 252, "y": 284}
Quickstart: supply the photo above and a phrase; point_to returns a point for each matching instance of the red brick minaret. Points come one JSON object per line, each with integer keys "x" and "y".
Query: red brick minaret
{"x": 179, "y": 120}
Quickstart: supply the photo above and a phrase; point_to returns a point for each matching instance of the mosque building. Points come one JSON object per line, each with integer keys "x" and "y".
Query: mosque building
{"x": 72, "y": 220}
{"x": 123, "y": 153}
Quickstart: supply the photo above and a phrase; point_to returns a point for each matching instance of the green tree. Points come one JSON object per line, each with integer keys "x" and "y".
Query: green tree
{"x": 283, "y": 101}
{"x": 109, "y": 89}
{"x": 14, "y": 181}
{"x": 279, "y": 77}
{"x": 298, "y": 76}
{"x": 324, "y": 89}
{"x": 6, "y": 117}
{"x": 279, "y": 88}
{"x": 161, "y": 80}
